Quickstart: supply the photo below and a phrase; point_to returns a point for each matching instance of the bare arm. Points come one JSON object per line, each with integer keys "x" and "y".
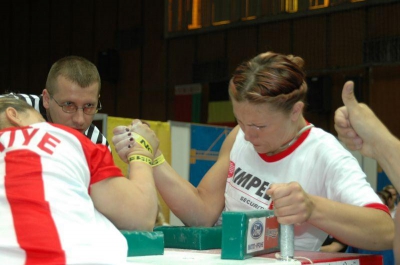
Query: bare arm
{"x": 360, "y": 129}
{"x": 131, "y": 203}
{"x": 347, "y": 223}
{"x": 199, "y": 206}
{"x": 396, "y": 244}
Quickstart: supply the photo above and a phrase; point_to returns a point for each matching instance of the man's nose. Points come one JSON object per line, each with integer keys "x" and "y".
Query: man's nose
{"x": 79, "y": 116}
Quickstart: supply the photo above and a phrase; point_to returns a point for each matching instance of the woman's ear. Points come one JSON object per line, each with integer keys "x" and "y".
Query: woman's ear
{"x": 13, "y": 117}
{"x": 297, "y": 110}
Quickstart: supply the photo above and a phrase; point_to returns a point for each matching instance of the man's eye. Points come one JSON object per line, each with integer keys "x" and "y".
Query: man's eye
{"x": 89, "y": 106}
{"x": 67, "y": 104}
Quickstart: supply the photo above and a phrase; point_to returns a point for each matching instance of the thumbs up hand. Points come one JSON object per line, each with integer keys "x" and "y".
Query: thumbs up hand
{"x": 357, "y": 125}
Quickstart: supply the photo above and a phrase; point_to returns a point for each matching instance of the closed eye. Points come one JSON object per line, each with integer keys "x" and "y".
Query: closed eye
{"x": 258, "y": 127}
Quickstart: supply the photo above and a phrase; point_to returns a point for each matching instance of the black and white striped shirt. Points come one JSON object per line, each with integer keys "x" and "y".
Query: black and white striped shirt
{"x": 93, "y": 133}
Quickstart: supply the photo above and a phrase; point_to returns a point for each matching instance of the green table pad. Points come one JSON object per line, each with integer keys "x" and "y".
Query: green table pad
{"x": 143, "y": 243}
{"x": 199, "y": 238}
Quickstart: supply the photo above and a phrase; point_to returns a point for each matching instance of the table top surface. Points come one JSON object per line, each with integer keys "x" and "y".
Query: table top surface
{"x": 213, "y": 256}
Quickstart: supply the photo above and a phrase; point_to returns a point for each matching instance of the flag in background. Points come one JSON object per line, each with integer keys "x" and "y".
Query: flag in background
{"x": 188, "y": 100}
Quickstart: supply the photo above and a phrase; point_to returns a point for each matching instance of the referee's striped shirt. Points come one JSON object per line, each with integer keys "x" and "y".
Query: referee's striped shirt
{"x": 93, "y": 133}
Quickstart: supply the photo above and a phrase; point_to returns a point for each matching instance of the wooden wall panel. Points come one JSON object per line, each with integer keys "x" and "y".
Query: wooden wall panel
{"x": 154, "y": 51}
{"x": 347, "y": 34}
{"x": 275, "y": 37}
{"x": 384, "y": 21}
{"x": 20, "y": 28}
{"x": 83, "y": 29}
{"x": 181, "y": 56}
{"x": 39, "y": 45}
{"x": 211, "y": 47}
{"x": 106, "y": 12}
{"x": 105, "y": 27}
{"x": 241, "y": 46}
{"x": 154, "y": 64}
{"x": 60, "y": 29}
{"x": 37, "y": 33}
{"x": 129, "y": 13}
{"x": 385, "y": 95}
{"x": 154, "y": 105}
{"x": 5, "y": 44}
{"x": 180, "y": 62}
{"x": 309, "y": 41}
{"x": 127, "y": 94}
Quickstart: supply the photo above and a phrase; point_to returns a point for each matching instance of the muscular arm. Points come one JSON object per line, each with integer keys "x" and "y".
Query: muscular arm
{"x": 387, "y": 153}
{"x": 199, "y": 206}
{"x": 360, "y": 129}
{"x": 396, "y": 243}
{"x": 361, "y": 227}
{"x": 130, "y": 203}
{"x": 347, "y": 223}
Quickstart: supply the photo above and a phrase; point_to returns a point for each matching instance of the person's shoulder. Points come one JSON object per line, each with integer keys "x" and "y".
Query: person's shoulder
{"x": 66, "y": 129}
{"x": 328, "y": 148}
{"x": 325, "y": 141}
{"x": 93, "y": 131}
{"x": 73, "y": 137}
{"x": 323, "y": 136}
{"x": 27, "y": 97}
{"x": 96, "y": 136}
{"x": 23, "y": 96}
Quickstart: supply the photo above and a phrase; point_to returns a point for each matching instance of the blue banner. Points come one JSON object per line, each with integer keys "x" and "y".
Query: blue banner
{"x": 206, "y": 141}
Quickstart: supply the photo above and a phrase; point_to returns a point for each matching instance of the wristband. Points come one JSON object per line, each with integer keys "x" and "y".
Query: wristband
{"x": 143, "y": 142}
{"x": 140, "y": 158}
{"x": 158, "y": 160}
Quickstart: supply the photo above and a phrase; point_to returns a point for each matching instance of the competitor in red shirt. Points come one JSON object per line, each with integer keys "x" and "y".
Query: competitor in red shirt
{"x": 62, "y": 198}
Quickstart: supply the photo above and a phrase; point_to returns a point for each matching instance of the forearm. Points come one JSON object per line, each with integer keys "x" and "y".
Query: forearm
{"x": 387, "y": 153}
{"x": 359, "y": 227}
{"x": 396, "y": 244}
{"x": 130, "y": 203}
{"x": 142, "y": 196}
{"x": 182, "y": 197}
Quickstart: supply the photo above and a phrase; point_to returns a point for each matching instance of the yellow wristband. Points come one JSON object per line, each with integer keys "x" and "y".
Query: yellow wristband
{"x": 140, "y": 158}
{"x": 143, "y": 142}
{"x": 158, "y": 160}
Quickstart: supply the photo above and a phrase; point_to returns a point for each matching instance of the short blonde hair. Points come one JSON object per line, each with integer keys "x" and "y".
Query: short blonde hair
{"x": 74, "y": 68}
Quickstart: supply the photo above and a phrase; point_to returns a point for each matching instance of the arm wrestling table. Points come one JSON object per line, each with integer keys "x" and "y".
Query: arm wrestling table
{"x": 174, "y": 256}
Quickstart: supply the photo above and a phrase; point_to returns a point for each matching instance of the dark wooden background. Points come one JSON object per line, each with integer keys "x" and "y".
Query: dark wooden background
{"x": 36, "y": 33}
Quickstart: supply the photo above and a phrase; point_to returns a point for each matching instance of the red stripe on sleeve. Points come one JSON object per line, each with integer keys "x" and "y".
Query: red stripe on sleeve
{"x": 34, "y": 226}
{"x": 379, "y": 206}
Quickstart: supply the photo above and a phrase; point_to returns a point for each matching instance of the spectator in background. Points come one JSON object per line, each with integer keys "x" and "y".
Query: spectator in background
{"x": 392, "y": 202}
{"x": 385, "y": 196}
{"x": 333, "y": 245}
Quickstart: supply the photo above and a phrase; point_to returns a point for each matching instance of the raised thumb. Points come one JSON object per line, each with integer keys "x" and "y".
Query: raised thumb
{"x": 348, "y": 97}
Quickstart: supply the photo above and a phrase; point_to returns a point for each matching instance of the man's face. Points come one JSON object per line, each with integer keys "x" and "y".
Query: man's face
{"x": 67, "y": 93}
